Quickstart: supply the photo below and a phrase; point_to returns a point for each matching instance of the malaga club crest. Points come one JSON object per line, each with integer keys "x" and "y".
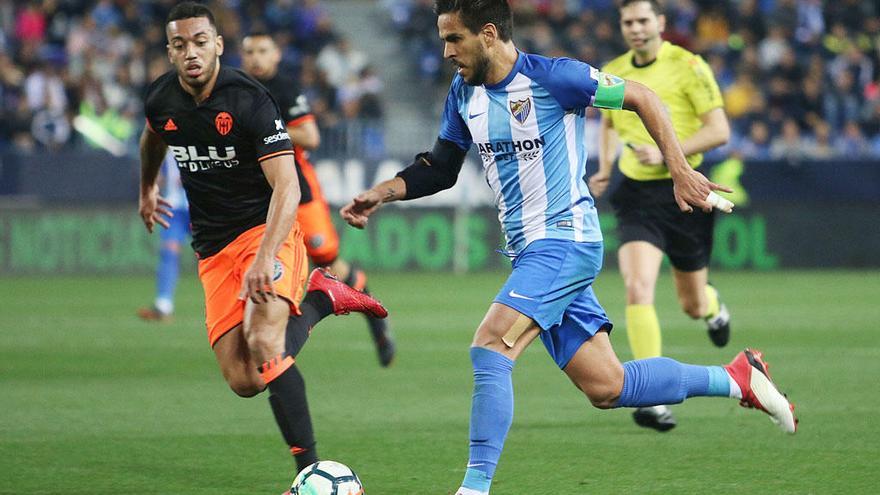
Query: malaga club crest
{"x": 223, "y": 123}
{"x": 520, "y": 109}
{"x": 278, "y": 271}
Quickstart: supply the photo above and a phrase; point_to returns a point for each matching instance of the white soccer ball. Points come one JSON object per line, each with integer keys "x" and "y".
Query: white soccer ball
{"x": 327, "y": 478}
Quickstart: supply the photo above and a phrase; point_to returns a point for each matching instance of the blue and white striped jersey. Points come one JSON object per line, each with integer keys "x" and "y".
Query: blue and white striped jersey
{"x": 529, "y": 131}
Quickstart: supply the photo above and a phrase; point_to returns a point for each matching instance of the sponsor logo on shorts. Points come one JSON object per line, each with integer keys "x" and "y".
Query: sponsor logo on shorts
{"x": 278, "y": 271}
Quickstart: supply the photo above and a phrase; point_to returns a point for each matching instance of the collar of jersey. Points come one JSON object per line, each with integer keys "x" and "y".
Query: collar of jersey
{"x": 520, "y": 60}
{"x": 662, "y": 49}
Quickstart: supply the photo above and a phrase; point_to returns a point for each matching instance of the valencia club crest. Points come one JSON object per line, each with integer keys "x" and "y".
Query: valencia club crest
{"x": 223, "y": 123}
{"x": 520, "y": 109}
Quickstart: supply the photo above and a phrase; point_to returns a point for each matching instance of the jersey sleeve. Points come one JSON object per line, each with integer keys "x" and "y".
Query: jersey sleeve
{"x": 268, "y": 129}
{"x": 701, "y": 88}
{"x": 453, "y": 127}
{"x": 577, "y": 85}
{"x": 295, "y": 109}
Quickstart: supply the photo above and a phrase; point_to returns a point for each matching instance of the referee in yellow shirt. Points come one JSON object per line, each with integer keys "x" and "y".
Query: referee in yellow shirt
{"x": 649, "y": 221}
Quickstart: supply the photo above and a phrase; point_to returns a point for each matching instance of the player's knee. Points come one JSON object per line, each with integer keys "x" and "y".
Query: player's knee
{"x": 604, "y": 393}
{"x": 245, "y": 386}
{"x": 639, "y": 291}
{"x": 603, "y": 397}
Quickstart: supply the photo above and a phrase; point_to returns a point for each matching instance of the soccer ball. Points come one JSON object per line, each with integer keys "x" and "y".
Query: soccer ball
{"x": 326, "y": 478}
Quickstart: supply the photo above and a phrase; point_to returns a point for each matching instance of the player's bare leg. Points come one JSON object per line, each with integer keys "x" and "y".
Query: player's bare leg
{"x": 379, "y": 327}
{"x": 265, "y": 330}
{"x": 639, "y": 266}
{"x": 700, "y": 300}
{"x": 237, "y": 364}
{"x": 501, "y": 337}
{"x": 596, "y": 371}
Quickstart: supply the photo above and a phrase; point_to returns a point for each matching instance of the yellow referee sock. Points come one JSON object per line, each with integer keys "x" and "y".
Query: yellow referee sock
{"x": 712, "y": 305}
{"x": 643, "y": 330}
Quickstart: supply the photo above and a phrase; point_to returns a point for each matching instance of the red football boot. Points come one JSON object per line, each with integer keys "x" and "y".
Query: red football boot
{"x": 758, "y": 391}
{"x": 344, "y": 298}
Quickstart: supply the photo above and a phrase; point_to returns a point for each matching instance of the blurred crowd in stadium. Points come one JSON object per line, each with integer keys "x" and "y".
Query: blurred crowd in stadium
{"x": 86, "y": 64}
{"x": 801, "y": 78}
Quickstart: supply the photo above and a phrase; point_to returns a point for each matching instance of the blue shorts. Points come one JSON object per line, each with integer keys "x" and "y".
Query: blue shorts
{"x": 178, "y": 227}
{"x": 552, "y": 283}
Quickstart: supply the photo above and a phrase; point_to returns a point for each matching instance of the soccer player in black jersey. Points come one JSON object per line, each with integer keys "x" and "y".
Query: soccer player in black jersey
{"x": 237, "y": 166}
{"x": 261, "y": 58}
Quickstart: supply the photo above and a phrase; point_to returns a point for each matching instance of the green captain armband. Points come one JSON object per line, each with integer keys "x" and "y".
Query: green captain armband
{"x": 609, "y": 91}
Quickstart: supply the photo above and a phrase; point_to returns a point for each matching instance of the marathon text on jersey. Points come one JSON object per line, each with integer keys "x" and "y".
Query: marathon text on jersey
{"x": 509, "y": 150}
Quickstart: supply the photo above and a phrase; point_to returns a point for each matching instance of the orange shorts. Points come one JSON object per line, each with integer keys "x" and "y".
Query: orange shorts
{"x": 322, "y": 241}
{"x": 221, "y": 276}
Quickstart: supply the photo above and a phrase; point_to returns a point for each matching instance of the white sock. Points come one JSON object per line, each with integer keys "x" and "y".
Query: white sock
{"x": 469, "y": 491}
{"x": 165, "y": 306}
{"x": 735, "y": 391}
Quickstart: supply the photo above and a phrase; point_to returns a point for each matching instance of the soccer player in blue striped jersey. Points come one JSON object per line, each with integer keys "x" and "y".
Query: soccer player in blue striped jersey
{"x": 524, "y": 114}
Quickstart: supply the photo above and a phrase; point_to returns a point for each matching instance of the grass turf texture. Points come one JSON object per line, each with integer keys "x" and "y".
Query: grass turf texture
{"x": 96, "y": 402}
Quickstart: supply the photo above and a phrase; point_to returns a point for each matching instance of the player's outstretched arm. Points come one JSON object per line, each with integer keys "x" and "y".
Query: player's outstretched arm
{"x": 429, "y": 173}
{"x": 358, "y": 211}
{"x": 280, "y": 172}
{"x": 691, "y": 187}
{"x": 152, "y": 208}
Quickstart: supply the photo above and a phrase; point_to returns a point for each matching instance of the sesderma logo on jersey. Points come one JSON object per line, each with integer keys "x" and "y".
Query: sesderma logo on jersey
{"x": 274, "y": 138}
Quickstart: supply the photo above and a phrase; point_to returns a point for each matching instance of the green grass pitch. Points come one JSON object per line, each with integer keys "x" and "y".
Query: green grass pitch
{"x": 93, "y": 401}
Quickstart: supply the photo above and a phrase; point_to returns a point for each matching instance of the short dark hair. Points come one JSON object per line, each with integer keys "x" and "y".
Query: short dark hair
{"x": 655, "y": 5}
{"x": 477, "y": 13}
{"x": 261, "y": 34}
{"x": 188, "y": 10}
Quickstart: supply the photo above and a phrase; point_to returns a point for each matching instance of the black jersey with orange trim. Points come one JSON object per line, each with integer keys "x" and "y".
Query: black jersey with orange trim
{"x": 295, "y": 110}
{"x": 219, "y": 145}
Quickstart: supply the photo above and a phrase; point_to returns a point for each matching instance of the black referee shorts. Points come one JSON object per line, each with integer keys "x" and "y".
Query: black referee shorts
{"x": 646, "y": 211}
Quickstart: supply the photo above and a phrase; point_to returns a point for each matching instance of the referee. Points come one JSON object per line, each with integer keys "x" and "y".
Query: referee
{"x": 649, "y": 221}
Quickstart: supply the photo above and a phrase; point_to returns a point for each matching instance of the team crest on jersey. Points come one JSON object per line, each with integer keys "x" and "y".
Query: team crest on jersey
{"x": 278, "y": 271}
{"x": 520, "y": 109}
{"x": 223, "y": 123}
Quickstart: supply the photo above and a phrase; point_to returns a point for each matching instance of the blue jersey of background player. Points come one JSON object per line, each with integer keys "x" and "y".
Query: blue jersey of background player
{"x": 523, "y": 113}
{"x": 173, "y": 239}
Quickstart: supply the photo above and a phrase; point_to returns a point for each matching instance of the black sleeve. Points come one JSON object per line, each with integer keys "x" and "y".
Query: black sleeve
{"x": 305, "y": 190}
{"x": 433, "y": 171}
{"x": 267, "y": 127}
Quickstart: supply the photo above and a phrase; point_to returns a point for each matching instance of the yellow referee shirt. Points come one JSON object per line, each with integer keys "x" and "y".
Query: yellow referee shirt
{"x": 685, "y": 84}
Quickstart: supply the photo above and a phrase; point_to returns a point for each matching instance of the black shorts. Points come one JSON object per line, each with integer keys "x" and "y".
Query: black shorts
{"x": 647, "y": 211}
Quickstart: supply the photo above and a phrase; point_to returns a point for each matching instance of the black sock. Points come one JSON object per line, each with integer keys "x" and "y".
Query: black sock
{"x": 378, "y": 326}
{"x": 288, "y": 400}
{"x": 314, "y": 308}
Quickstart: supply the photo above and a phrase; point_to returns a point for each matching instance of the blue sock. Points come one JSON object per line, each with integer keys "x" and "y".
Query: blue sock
{"x": 656, "y": 381}
{"x": 166, "y": 273}
{"x": 491, "y": 415}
